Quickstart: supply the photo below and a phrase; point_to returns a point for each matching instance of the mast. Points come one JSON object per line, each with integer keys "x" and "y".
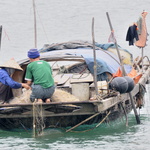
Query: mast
{"x": 0, "y": 35}
{"x": 35, "y": 31}
{"x": 94, "y": 54}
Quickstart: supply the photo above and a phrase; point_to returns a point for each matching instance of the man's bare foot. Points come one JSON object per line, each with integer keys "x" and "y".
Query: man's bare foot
{"x": 48, "y": 100}
{"x": 39, "y": 101}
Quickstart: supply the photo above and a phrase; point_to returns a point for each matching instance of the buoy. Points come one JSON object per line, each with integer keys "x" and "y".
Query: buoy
{"x": 130, "y": 84}
{"x": 119, "y": 84}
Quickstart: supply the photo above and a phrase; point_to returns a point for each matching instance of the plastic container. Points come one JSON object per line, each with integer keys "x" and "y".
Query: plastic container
{"x": 81, "y": 91}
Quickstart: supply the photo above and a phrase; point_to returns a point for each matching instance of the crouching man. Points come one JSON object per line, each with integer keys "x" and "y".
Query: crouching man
{"x": 39, "y": 76}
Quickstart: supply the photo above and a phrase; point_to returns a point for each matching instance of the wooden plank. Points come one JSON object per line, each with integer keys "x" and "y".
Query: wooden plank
{"x": 61, "y": 79}
{"x": 77, "y": 78}
{"x": 110, "y": 102}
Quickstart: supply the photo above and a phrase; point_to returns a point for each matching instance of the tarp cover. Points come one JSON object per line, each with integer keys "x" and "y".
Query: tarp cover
{"x": 107, "y": 61}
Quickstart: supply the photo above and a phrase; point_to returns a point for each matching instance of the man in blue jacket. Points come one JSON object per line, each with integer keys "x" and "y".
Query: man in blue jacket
{"x": 6, "y": 81}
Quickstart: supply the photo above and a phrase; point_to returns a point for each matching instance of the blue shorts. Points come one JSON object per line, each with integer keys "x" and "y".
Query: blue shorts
{"x": 38, "y": 92}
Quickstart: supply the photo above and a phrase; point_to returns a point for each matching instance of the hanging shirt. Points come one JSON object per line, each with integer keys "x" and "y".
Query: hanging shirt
{"x": 132, "y": 34}
{"x": 143, "y": 31}
{"x": 7, "y": 80}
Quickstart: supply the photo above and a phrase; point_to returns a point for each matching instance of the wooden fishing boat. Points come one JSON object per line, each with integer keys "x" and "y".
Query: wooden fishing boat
{"x": 73, "y": 71}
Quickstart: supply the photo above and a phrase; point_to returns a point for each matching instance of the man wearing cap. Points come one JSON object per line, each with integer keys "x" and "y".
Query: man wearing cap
{"x": 39, "y": 74}
{"x": 6, "y": 81}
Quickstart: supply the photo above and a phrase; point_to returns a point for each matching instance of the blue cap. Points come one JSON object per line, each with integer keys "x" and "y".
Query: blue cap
{"x": 33, "y": 53}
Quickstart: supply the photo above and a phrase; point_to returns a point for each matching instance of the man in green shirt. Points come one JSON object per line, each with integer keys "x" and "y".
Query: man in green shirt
{"x": 39, "y": 74}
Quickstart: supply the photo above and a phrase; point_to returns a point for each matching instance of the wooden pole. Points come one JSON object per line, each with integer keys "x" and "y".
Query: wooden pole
{"x": 116, "y": 45}
{"x": 142, "y": 58}
{"x": 35, "y": 31}
{"x": 134, "y": 109}
{"x": 0, "y": 35}
{"x": 123, "y": 70}
{"x": 83, "y": 122}
{"x": 94, "y": 54}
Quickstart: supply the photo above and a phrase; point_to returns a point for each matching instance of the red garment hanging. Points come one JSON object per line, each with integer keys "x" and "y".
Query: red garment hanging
{"x": 143, "y": 34}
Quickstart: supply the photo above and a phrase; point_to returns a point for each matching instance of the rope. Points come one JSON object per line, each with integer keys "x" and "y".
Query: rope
{"x": 147, "y": 59}
{"x": 23, "y": 126}
{"x": 42, "y": 26}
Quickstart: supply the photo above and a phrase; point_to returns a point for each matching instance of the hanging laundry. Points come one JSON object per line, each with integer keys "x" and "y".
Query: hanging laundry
{"x": 132, "y": 34}
{"x": 142, "y": 32}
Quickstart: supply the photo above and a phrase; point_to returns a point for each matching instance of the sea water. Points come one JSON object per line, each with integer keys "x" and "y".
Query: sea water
{"x": 61, "y": 21}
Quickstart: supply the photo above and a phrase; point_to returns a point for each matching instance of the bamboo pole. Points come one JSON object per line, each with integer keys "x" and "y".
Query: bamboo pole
{"x": 116, "y": 45}
{"x": 83, "y": 122}
{"x": 0, "y": 35}
{"x": 94, "y": 54}
{"x": 35, "y": 31}
{"x": 142, "y": 58}
{"x": 123, "y": 70}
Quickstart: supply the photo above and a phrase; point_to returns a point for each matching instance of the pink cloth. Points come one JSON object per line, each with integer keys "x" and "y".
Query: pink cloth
{"x": 143, "y": 36}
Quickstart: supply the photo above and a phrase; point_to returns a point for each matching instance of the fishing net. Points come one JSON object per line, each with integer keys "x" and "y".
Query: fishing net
{"x": 38, "y": 120}
{"x": 59, "y": 95}
{"x": 23, "y": 98}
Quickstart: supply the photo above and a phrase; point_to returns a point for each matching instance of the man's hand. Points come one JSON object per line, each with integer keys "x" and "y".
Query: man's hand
{"x": 26, "y": 86}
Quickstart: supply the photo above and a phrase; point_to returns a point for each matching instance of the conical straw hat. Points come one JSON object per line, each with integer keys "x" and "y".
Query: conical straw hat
{"x": 11, "y": 64}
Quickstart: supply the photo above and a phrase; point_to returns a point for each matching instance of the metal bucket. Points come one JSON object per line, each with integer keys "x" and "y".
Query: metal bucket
{"x": 81, "y": 91}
